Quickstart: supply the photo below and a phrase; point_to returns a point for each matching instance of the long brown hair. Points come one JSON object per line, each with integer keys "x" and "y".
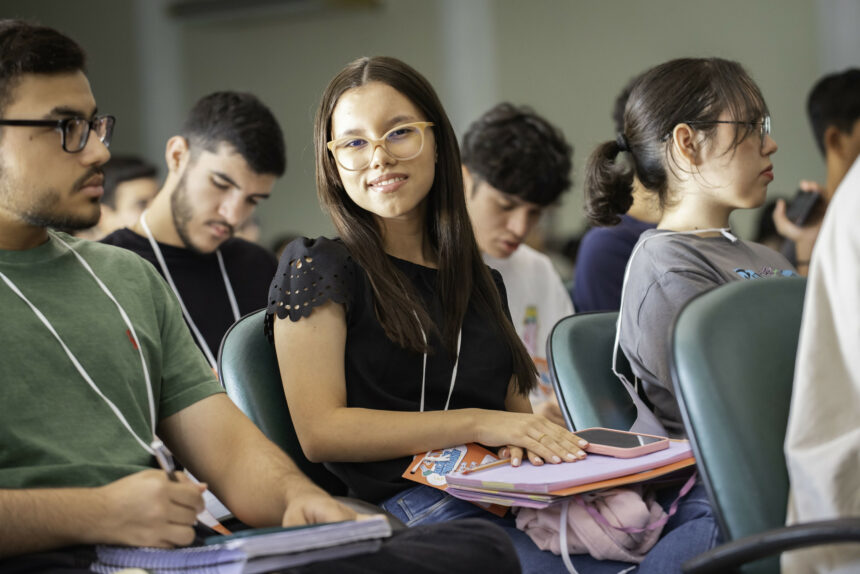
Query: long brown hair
{"x": 462, "y": 274}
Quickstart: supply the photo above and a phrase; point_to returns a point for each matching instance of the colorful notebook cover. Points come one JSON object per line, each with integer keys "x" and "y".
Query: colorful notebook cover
{"x": 550, "y": 478}
{"x": 433, "y": 467}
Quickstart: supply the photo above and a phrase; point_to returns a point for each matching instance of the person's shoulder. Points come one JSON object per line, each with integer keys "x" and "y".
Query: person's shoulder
{"x": 659, "y": 251}
{"x": 308, "y": 249}
{"x": 119, "y": 261}
{"x": 536, "y": 262}
{"x": 125, "y": 238}
{"x": 106, "y": 251}
{"x": 247, "y": 251}
{"x": 598, "y": 240}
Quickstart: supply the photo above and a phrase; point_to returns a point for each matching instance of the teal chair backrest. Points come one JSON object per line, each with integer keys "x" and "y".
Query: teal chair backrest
{"x": 579, "y": 353}
{"x": 248, "y": 368}
{"x": 733, "y": 351}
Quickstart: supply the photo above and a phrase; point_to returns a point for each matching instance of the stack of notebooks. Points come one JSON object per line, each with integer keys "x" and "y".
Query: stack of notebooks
{"x": 540, "y": 486}
{"x": 253, "y": 551}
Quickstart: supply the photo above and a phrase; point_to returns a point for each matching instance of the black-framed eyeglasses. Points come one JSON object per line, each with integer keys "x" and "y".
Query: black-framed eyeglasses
{"x": 764, "y": 125}
{"x": 74, "y": 132}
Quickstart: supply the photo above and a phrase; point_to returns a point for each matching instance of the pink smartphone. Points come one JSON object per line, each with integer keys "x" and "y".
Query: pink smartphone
{"x": 621, "y": 444}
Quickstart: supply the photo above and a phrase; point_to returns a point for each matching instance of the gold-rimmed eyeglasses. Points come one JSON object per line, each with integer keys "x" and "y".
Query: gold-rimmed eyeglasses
{"x": 402, "y": 142}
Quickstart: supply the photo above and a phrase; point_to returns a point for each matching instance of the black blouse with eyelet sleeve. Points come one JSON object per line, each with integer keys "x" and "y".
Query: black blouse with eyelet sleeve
{"x": 380, "y": 374}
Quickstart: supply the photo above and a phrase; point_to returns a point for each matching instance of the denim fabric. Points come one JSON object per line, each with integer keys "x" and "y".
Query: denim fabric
{"x": 425, "y": 505}
{"x": 689, "y": 532}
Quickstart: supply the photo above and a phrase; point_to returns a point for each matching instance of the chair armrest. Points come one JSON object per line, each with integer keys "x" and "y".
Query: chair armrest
{"x": 729, "y": 556}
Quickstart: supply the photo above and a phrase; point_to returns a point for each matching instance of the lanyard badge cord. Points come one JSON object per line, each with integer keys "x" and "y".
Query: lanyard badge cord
{"x": 234, "y": 306}
{"x": 152, "y": 447}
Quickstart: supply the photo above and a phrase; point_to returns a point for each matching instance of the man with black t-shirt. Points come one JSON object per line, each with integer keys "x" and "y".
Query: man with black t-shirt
{"x": 225, "y": 161}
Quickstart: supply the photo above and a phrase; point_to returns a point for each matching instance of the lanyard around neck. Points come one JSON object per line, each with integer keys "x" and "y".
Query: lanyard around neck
{"x": 424, "y": 368}
{"x": 148, "y": 447}
{"x": 234, "y": 306}
{"x": 724, "y": 231}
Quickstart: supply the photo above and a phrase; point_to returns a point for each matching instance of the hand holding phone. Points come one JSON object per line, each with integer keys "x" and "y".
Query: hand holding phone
{"x": 801, "y": 206}
{"x": 621, "y": 444}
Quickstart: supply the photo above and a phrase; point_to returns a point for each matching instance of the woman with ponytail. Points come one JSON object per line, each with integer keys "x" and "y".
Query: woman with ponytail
{"x": 697, "y": 136}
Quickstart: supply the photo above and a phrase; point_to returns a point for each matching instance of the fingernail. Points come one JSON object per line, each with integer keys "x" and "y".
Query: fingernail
{"x": 581, "y": 454}
{"x": 570, "y": 456}
{"x": 538, "y": 460}
{"x": 515, "y": 462}
{"x": 582, "y": 442}
{"x": 556, "y": 460}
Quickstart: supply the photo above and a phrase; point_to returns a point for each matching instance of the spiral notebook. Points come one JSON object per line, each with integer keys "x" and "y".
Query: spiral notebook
{"x": 556, "y": 478}
{"x": 253, "y": 551}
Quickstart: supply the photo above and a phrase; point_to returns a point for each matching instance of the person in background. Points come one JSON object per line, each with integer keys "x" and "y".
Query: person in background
{"x": 250, "y": 230}
{"x": 703, "y": 151}
{"x": 604, "y": 249}
{"x": 224, "y": 162}
{"x": 822, "y": 442}
{"x": 833, "y": 108}
{"x": 130, "y": 186}
{"x": 98, "y": 372}
{"x": 515, "y": 166}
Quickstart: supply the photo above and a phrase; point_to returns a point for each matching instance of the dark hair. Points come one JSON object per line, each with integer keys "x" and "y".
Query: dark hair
{"x": 621, "y": 104}
{"x": 834, "y": 101}
{"x": 462, "y": 274}
{"x": 678, "y": 91}
{"x": 518, "y": 152}
{"x": 121, "y": 169}
{"x": 242, "y": 121}
{"x": 32, "y": 49}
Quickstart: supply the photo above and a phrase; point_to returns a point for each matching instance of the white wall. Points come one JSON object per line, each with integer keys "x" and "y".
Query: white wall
{"x": 566, "y": 58}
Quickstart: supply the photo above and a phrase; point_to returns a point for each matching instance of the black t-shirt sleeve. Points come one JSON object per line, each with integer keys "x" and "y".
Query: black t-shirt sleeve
{"x": 310, "y": 272}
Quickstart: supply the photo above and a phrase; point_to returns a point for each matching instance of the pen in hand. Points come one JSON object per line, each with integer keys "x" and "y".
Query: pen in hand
{"x": 165, "y": 459}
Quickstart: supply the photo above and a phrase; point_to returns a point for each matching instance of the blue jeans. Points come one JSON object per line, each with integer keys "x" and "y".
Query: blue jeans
{"x": 691, "y": 531}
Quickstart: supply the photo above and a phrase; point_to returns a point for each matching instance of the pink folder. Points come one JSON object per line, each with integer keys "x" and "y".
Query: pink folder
{"x": 552, "y": 477}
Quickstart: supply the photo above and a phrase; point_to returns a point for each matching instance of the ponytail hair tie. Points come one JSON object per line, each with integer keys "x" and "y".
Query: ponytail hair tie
{"x": 621, "y": 140}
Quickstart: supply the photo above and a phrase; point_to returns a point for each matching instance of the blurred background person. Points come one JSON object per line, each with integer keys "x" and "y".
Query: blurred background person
{"x": 833, "y": 108}
{"x": 130, "y": 186}
{"x": 516, "y": 165}
{"x": 604, "y": 250}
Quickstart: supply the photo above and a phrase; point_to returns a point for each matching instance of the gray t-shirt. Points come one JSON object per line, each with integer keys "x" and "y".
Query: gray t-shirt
{"x": 665, "y": 273}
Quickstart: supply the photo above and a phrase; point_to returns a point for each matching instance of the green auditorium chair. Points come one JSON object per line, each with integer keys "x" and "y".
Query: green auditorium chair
{"x": 248, "y": 369}
{"x": 579, "y": 354}
{"x": 732, "y": 360}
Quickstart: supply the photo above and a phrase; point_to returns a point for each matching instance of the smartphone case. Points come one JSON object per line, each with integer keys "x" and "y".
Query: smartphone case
{"x": 621, "y": 452}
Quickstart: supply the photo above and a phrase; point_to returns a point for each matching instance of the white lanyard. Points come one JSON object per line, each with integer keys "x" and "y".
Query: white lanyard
{"x": 428, "y": 454}
{"x": 424, "y": 369}
{"x": 725, "y": 231}
{"x": 163, "y": 264}
{"x": 151, "y": 448}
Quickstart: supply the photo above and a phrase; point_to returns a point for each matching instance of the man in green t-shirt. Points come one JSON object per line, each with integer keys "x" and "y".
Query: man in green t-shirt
{"x": 95, "y": 359}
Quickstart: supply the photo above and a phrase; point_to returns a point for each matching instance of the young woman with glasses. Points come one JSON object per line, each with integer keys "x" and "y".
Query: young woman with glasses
{"x": 394, "y": 339}
{"x": 697, "y": 135}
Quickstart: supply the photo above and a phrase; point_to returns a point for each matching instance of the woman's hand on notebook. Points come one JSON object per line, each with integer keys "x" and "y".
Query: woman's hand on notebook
{"x": 527, "y": 434}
